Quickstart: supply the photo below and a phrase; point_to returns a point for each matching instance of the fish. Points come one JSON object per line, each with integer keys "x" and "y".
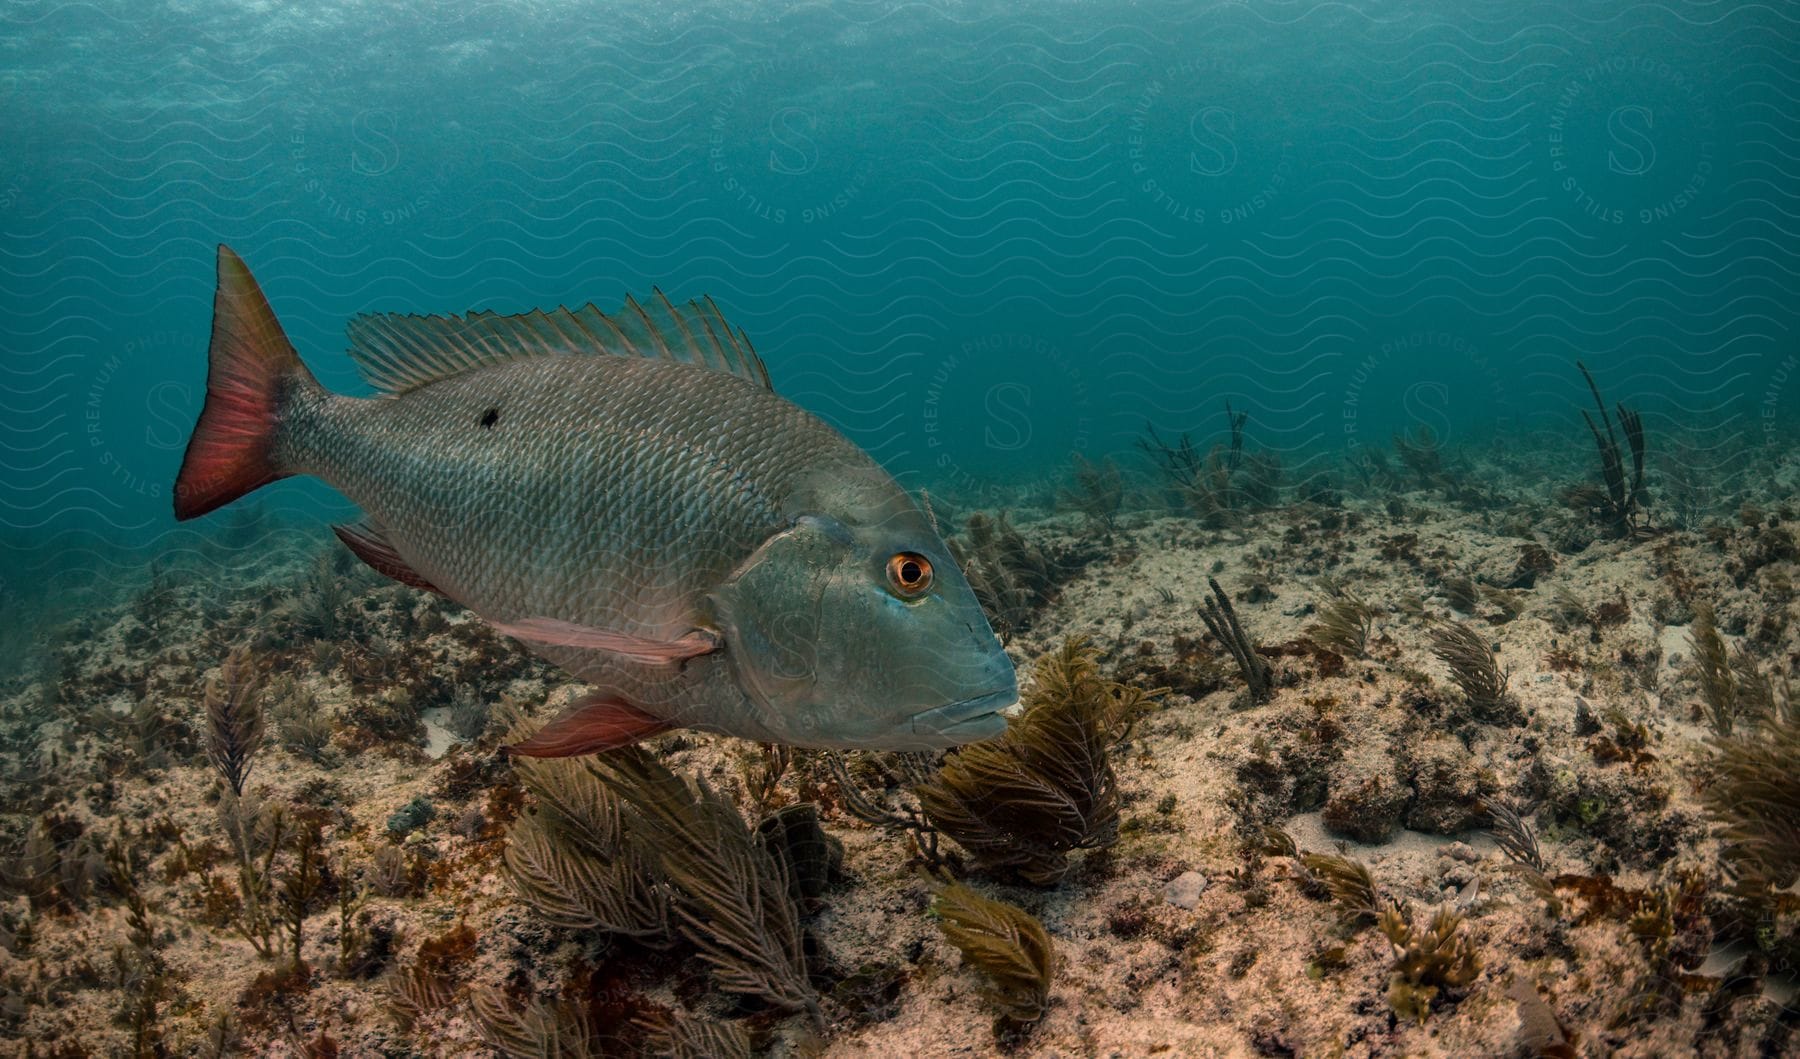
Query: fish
{"x": 626, "y": 495}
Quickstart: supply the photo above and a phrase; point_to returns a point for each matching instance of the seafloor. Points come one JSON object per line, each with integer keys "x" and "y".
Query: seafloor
{"x": 1221, "y": 911}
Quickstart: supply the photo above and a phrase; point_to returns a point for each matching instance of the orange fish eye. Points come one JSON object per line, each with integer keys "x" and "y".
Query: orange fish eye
{"x": 909, "y": 573}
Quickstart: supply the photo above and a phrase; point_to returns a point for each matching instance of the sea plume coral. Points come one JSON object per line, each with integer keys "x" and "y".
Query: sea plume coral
{"x": 1472, "y": 667}
{"x": 234, "y": 718}
{"x": 1345, "y": 622}
{"x": 1518, "y": 840}
{"x": 736, "y": 899}
{"x": 571, "y": 860}
{"x": 1348, "y": 881}
{"x": 537, "y": 1030}
{"x": 1222, "y": 482}
{"x": 1007, "y": 945}
{"x": 681, "y": 1035}
{"x": 1421, "y": 453}
{"x": 573, "y": 889}
{"x": 1023, "y": 801}
{"x": 1012, "y": 577}
{"x": 1755, "y": 797}
{"x": 1098, "y": 492}
{"x": 1734, "y": 689}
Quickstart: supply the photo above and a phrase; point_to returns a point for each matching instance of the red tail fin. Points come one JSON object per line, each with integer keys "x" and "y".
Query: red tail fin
{"x": 249, "y": 370}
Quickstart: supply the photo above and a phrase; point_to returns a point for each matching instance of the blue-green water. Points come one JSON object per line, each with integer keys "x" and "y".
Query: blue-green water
{"x": 1001, "y": 246}
{"x": 979, "y": 238}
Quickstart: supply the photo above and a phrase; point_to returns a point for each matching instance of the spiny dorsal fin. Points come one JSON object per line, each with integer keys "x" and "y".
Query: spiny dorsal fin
{"x": 397, "y": 352}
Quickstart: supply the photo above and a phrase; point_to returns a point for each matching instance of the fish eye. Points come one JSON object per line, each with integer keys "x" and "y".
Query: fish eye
{"x": 909, "y": 574}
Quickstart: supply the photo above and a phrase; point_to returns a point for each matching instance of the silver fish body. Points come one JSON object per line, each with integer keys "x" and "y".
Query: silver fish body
{"x": 624, "y": 500}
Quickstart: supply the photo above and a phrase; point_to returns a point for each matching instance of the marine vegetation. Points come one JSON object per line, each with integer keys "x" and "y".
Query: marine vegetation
{"x": 1754, "y": 795}
{"x": 1221, "y": 618}
{"x": 681, "y": 1035}
{"x": 1619, "y": 505}
{"x": 574, "y": 862}
{"x": 235, "y": 728}
{"x": 1013, "y": 578}
{"x": 1734, "y": 689}
{"x": 1098, "y": 491}
{"x": 1345, "y": 622}
{"x": 1007, "y": 945}
{"x": 350, "y": 881}
{"x": 298, "y": 887}
{"x": 1421, "y": 454}
{"x": 1224, "y": 481}
{"x": 234, "y": 718}
{"x": 735, "y": 900}
{"x": 143, "y": 972}
{"x": 1428, "y": 960}
{"x": 300, "y": 722}
{"x": 1472, "y": 667}
{"x": 1021, "y": 803}
{"x": 813, "y": 857}
{"x": 540, "y": 1030}
{"x": 1348, "y": 881}
{"x": 641, "y": 704}
{"x": 1518, "y": 840}
{"x": 909, "y": 820}
{"x": 432, "y": 977}
{"x": 1669, "y": 925}
{"x": 1345, "y": 880}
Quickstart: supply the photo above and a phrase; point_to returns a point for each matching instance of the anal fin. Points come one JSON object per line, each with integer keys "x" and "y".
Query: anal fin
{"x": 596, "y": 722}
{"x": 371, "y": 547}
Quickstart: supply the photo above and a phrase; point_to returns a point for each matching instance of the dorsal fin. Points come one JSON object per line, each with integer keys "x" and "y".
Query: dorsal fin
{"x": 397, "y": 352}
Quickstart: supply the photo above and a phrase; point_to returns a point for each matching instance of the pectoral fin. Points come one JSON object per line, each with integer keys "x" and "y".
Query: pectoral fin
{"x": 635, "y": 648}
{"x": 596, "y": 722}
{"x": 370, "y": 545}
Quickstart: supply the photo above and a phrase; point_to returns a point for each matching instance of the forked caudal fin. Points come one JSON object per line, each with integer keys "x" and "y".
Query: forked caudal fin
{"x": 251, "y": 368}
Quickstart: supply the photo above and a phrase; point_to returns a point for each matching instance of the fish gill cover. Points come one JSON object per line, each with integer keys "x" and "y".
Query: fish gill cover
{"x": 1368, "y": 431}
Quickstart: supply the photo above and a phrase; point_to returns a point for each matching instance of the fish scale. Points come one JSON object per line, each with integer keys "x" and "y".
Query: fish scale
{"x": 628, "y": 496}
{"x": 683, "y": 467}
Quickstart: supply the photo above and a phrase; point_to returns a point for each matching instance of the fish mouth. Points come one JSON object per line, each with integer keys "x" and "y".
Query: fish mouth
{"x": 966, "y": 720}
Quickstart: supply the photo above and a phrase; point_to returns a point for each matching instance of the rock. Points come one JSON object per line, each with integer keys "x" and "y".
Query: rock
{"x": 1461, "y": 851}
{"x": 1534, "y": 559}
{"x": 1446, "y": 787}
{"x": 1184, "y": 890}
{"x": 1365, "y": 807}
{"x": 411, "y": 816}
{"x": 1585, "y": 722}
{"x": 1571, "y": 536}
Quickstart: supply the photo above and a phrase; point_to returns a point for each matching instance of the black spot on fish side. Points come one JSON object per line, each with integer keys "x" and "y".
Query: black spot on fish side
{"x": 490, "y": 417}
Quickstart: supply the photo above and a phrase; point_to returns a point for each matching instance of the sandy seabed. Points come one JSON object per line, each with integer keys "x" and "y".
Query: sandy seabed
{"x": 1187, "y": 937}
